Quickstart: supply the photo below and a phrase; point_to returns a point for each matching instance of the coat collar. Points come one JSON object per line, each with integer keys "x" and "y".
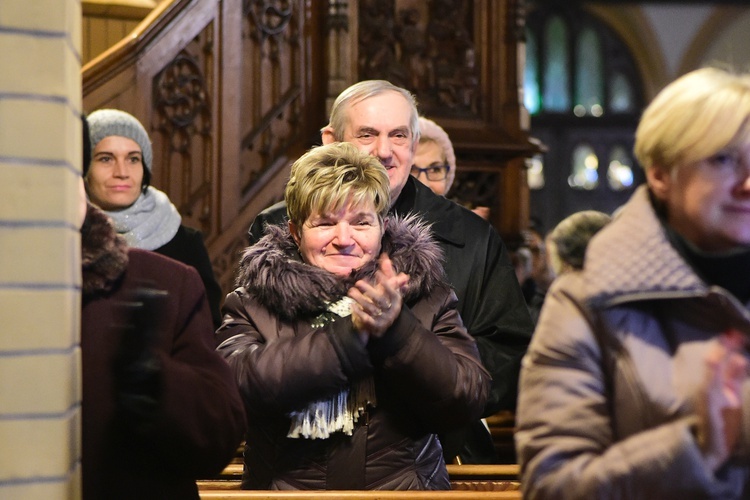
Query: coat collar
{"x": 442, "y": 214}
{"x": 274, "y": 273}
{"x": 633, "y": 258}
{"x": 104, "y": 254}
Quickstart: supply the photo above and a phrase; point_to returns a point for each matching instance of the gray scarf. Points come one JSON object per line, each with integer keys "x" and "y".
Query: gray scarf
{"x": 150, "y": 222}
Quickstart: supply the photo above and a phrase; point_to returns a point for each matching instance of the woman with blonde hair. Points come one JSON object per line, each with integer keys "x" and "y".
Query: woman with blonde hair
{"x": 636, "y": 384}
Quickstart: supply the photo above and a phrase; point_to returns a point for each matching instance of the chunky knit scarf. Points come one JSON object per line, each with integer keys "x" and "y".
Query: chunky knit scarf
{"x": 338, "y": 413}
{"x": 150, "y": 222}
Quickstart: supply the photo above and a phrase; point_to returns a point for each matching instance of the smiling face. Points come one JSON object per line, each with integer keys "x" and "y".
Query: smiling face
{"x": 340, "y": 241}
{"x": 430, "y": 155}
{"x": 708, "y": 201}
{"x": 380, "y": 126}
{"x": 114, "y": 179}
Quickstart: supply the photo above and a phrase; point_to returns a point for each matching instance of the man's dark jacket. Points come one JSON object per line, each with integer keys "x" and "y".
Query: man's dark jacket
{"x": 477, "y": 266}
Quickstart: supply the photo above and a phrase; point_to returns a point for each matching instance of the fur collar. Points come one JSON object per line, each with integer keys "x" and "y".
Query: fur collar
{"x": 104, "y": 253}
{"x": 273, "y": 272}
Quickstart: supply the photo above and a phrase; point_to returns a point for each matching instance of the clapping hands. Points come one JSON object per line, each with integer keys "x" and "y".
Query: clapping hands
{"x": 719, "y": 404}
{"x": 377, "y": 304}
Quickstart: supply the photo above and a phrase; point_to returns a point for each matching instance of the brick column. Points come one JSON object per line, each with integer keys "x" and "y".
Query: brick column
{"x": 40, "y": 163}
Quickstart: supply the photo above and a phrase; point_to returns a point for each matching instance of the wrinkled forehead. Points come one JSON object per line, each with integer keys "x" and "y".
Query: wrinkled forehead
{"x": 344, "y": 207}
{"x": 385, "y": 112}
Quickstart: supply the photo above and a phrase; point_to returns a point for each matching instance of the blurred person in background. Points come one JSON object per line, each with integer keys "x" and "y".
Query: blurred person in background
{"x": 636, "y": 382}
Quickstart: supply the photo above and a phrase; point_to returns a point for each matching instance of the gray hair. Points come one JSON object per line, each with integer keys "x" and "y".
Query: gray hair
{"x": 364, "y": 90}
{"x": 571, "y": 237}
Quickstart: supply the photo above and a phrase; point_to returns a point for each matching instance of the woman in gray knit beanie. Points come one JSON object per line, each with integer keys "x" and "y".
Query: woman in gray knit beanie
{"x": 118, "y": 181}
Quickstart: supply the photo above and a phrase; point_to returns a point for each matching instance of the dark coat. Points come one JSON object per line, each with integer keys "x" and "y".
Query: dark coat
{"x": 188, "y": 247}
{"x": 426, "y": 368}
{"x": 189, "y": 424}
{"x": 477, "y": 266}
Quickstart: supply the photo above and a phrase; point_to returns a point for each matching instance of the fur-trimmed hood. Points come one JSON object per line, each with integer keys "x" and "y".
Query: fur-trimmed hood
{"x": 104, "y": 254}
{"x": 274, "y": 273}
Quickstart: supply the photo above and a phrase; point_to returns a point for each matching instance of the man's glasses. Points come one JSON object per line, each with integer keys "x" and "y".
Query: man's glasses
{"x": 433, "y": 172}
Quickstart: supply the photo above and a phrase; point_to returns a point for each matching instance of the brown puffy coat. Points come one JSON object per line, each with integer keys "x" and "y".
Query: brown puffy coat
{"x": 426, "y": 369}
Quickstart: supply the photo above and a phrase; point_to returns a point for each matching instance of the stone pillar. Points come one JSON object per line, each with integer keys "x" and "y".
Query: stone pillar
{"x": 40, "y": 164}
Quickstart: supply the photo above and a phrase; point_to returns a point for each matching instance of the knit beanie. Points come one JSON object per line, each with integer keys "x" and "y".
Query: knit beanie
{"x": 106, "y": 122}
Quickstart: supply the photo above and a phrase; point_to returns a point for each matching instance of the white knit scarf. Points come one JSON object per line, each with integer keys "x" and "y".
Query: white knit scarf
{"x": 340, "y": 412}
{"x": 150, "y": 222}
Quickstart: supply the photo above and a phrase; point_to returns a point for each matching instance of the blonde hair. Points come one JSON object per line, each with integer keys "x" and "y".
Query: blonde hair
{"x": 364, "y": 90}
{"x": 432, "y": 132}
{"x": 693, "y": 118}
{"x": 328, "y": 177}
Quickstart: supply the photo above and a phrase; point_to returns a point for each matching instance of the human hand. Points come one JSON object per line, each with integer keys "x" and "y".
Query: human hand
{"x": 378, "y": 304}
{"x": 719, "y": 404}
{"x": 137, "y": 369}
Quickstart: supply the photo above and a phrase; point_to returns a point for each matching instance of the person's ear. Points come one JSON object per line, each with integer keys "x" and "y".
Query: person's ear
{"x": 293, "y": 231}
{"x": 327, "y": 135}
{"x": 659, "y": 180}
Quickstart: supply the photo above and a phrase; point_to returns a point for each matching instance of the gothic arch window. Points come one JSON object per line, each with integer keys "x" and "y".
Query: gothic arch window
{"x": 584, "y": 94}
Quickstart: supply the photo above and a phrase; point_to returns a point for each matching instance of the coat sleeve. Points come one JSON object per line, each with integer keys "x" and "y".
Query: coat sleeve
{"x": 279, "y": 371}
{"x": 431, "y": 364}
{"x": 189, "y": 248}
{"x": 201, "y": 420}
{"x": 493, "y": 310}
{"x": 204, "y": 267}
{"x": 564, "y": 436}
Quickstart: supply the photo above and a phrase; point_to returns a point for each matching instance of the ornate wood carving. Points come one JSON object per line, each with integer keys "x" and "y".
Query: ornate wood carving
{"x": 272, "y": 85}
{"x": 475, "y": 189}
{"x": 182, "y": 121}
{"x": 225, "y": 263}
{"x": 427, "y": 47}
{"x": 461, "y": 60}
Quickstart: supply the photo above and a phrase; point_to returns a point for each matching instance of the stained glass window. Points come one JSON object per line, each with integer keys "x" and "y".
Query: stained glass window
{"x": 589, "y": 75}
{"x": 531, "y": 98}
{"x": 556, "y": 69}
{"x": 585, "y": 168}
{"x": 620, "y": 169}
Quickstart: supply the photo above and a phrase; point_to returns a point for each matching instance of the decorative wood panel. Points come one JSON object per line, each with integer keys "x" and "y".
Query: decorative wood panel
{"x": 272, "y": 85}
{"x": 183, "y": 131}
{"x": 461, "y": 60}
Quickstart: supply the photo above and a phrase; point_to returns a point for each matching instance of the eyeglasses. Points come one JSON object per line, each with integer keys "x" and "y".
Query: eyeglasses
{"x": 433, "y": 172}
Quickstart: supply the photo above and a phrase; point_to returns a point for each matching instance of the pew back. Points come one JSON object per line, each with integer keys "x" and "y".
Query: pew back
{"x": 358, "y": 495}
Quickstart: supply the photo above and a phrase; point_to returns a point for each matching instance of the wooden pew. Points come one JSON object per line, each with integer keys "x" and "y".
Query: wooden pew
{"x": 358, "y": 495}
{"x": 484, "y": 477}
{"x": 476, "y": 478}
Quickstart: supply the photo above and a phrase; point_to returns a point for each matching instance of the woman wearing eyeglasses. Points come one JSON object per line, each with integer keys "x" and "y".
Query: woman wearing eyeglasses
{"x": 434, "y": 162}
